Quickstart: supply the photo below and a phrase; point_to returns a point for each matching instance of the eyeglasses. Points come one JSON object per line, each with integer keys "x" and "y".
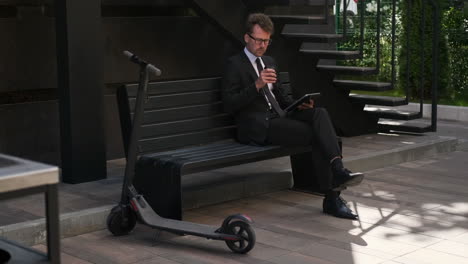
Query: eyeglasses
{"x": 259, "y": 41}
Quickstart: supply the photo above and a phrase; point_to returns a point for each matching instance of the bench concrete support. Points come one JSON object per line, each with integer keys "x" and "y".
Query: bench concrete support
{"x": 160, "y": 183}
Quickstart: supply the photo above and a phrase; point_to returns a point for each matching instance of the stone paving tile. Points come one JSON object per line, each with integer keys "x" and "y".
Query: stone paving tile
{"x": 338, "y": 255}
{"x": 284, "y": 241}
{"x": 376, "y": 216}
{"x": 383, "y": 200}
{"x": 372, "y": 222}
{"x": 373, "y": 216}
{"x": 369, "y": 186}
{"x": 409, "y": 213}
{"x": 12, "y": 214}
{"x": 297, "y": 258}
{"x": 74, "y": 197}
{"x": 424, "y": 197}
{"x": 463, "y": 238}
{"x": 399, "y": 224}
{"x": 451, "y": 247}
{"x": 65, "y": 258}
{"x": 444, "y": 230}
{"x": 158, "y": 260}
{"x": 350, "y": 151}
{"x": 101, "y": 247}
{"x": 200, "y": 250}
{"x": 428, "y": 256}
{"x": 453, "y": 220}
{"x": 396, "y": 235}
{"x": 427, "y": 180}
{"x": 431, "y": 227}
{"x": 382, "y": 248}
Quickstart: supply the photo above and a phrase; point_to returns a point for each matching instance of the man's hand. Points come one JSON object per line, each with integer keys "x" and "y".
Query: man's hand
{"x": 266, "y": 76}
{"x": 307, "y": 105}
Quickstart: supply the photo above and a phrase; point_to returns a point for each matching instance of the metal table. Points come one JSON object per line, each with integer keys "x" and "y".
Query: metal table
{"x": 20, "y": 177}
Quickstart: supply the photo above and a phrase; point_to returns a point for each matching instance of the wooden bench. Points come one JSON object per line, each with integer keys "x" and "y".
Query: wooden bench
{"x": 185, "y": 131}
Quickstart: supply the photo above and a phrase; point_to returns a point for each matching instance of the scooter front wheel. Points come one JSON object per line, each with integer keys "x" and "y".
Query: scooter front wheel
{"x": 121, "y": 220}
{"x": 246, "y": 236}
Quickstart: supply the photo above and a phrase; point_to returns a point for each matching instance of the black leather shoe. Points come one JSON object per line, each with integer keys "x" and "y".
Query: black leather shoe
{"x": 337, "y": 207}
{"x": 343, "y": 177}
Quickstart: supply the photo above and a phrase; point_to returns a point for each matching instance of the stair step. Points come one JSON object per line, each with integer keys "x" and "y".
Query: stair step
{"x": 306, "y": 28}
{"x": 363, "y": 85}
{"x": 289, "y": 3}
{"x": 404, "y": 126}
{"x": 327, "y": 38}
{"x": 332, "y": 54}
{"x": 352, "y": 70}
{"x": 377, "y": 100}
{"x": 297, "y": 10}
{"x": 317, "y": 19}
{"x": 320, "y": 2}
{"x": 389, "y": 113}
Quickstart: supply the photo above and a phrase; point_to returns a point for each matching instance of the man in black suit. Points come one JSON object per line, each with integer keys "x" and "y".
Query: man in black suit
{"x": 252, "y": 94}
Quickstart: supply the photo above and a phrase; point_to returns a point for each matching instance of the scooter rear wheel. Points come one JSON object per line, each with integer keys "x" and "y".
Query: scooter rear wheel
{"x": 121, "y": 220}
{"x": 246, "y": 234}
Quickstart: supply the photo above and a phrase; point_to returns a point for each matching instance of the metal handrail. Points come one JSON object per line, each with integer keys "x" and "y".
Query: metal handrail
{"x": 377, "y": 57}
{"x": 435, "y": 62}
{"x": 345, "y": 8}
{"x": 435, "y": 58}
{"x": 326, "y": 11}
{"x": 361, "y": 40}
{"x": 421, "y": 81}
{"x": 393, "y": 44}
{"x": 408, "y": 27}
{"x": 435, "y": 47}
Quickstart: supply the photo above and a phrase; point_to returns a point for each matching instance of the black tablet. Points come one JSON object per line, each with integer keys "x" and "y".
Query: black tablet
{"x": 303, "y": 99}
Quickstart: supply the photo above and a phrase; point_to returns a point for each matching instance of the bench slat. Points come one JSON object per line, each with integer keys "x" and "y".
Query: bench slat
{"x": 284, "y": 77}
{"x": 168, "y": 87}
{"x": 182, "y": 113}
{"x": 215, "y": 151}
{"x": 223, "y": 144}
{"x": 182, "y": 126}
{"x": 199, "y": 164}
{"x": 217, "y": 154}
{"x": 187, "y": 139}
{"x": 178, "y": 100}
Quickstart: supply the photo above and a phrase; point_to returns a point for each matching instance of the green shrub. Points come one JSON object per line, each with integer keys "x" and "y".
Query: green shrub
{"x": 453, "y": 48}
{"x": 370, "y": 41}
{"x": 455, "y": 24}
{"x": 419, "y": 51}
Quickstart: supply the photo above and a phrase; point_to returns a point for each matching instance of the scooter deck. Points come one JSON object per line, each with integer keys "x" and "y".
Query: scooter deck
{"x": 150, "y": 218}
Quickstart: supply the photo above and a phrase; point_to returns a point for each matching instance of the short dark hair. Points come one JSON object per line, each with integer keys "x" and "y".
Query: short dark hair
{"x": 261, "y": 20}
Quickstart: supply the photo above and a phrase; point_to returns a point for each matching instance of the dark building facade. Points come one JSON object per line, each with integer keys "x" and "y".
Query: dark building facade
{"x": 169, "y": 34}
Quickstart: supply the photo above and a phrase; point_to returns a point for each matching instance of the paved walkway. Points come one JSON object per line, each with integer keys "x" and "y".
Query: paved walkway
{"x": 76, "y": 197}
{"x": 414, "y": 212}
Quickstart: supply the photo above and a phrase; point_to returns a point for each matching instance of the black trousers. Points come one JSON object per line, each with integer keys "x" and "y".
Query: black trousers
{"x": 306, "y": 127}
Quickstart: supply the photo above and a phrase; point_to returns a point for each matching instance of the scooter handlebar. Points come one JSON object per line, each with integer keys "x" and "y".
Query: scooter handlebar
{"x": 135, "y": 59}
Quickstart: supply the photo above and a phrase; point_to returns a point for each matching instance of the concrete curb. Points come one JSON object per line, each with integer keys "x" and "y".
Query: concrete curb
{"x": 444, "y": 112}
{"x": 402, "y": 154}
{"x": 89, "y": 220}
{"x": 71, "y": 224}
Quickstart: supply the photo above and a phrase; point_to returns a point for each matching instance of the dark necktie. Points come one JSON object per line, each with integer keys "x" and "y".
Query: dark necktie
{"x": 269, "y": 96}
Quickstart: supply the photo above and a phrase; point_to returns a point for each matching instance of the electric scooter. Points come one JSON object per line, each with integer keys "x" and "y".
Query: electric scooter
{"x": 235, "y": 229}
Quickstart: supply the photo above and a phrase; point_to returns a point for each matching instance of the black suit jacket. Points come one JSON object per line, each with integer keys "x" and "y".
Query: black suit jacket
{"x": 241, "y": 98}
